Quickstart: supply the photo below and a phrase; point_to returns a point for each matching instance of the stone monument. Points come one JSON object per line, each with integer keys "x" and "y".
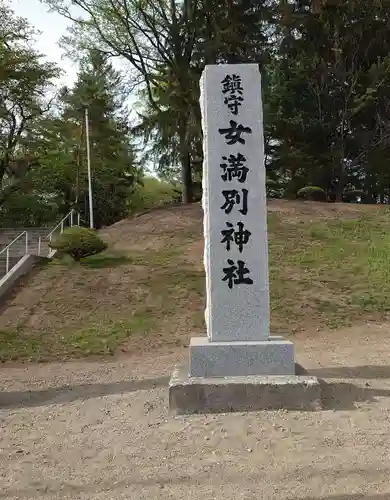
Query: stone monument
{"x": 239, "y": 365}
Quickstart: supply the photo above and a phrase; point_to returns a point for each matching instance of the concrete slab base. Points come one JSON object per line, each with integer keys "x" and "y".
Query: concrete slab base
{"x": 249, "y": 393}
{"x": 272, "y": 356}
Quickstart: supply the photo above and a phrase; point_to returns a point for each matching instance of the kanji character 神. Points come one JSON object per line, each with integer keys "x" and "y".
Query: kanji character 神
{"x": 240, "y": 236}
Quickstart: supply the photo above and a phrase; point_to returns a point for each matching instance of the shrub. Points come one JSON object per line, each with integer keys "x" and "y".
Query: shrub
{"x": 274, "y": 189}
{"x": 313, "y": 193}
{"x": 353, "y": 196}
{"x": 78, "y": 242}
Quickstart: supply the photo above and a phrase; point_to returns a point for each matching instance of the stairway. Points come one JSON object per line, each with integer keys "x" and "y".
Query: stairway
{"x": 18, "y": 249}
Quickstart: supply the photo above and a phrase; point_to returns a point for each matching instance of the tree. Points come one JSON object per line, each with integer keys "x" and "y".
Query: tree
{"x": 168, "y": 44}
{"x": 160, "y": 133}
{"x": 234, "y": 32}
{"x": 114, "y": 172}
{"x": 331, "y": 80}
{"x": 326, "y": 84}
{"x": 24, "y": 83}
{"x": 148, "y": 35}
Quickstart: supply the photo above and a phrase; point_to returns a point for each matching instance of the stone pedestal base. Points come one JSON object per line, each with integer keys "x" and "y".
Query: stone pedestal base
{"x": 236, "y": 359}
{"x": 210, "y": 395}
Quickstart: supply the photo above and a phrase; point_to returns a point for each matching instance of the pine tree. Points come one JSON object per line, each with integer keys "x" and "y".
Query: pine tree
{"x": 114, "y": 174}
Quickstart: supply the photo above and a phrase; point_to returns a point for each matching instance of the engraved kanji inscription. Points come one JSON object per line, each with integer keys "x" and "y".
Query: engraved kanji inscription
{"x": 234, "y": 168}
{"x": 238, "y": 236}
{"x": 233, "y": 91}
{"x": 234, "y": 132}
{"x": 236, "y": 274}
{"x": 234, "y": 197}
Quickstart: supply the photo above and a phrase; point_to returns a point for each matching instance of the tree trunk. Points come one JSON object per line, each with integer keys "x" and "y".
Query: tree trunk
{"x": 186, "y": 177}
{"x": 3, "y": 192}
{"x": 339, "y": 193}
{"x": 2, "y": 171}
{"x": 341, "y": 183}
{"x": 369, "y": 186}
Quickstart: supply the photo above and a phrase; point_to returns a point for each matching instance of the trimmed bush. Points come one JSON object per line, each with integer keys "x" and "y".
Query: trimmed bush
{"x": 353, "y": 195}
{"x": 313, "y": 193}
{"x": 78, "y": 242}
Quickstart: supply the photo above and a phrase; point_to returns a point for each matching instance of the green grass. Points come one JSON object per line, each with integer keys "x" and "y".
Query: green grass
{"x": 111, "y": 259}
{"x": 152, "y": 194}
{"x": 104, "y": 338}
{"x": 324, "y": 273}
{"x": 14, "y": 345}
{"x": 171, "y": 287}
{"x": 339, "y": 269}
{"x": 105, "y": 260}
{"x": 99, "y": 338}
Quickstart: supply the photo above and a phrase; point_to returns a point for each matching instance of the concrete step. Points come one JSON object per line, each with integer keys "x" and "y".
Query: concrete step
{"x": 33, "y": 235}
{"x": 7, "y": 235}
{"x": 37, "y": 244}
{"x": 18, "y": 249}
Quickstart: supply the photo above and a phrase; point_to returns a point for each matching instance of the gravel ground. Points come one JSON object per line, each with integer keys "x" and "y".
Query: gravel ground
{"x": 101, "y": 430}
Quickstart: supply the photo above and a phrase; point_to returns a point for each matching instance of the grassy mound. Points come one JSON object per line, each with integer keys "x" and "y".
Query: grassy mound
{"x": 329, "y": 266}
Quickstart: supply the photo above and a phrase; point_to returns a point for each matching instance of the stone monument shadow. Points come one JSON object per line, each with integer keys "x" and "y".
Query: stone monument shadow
{"x": 362, "y": 372}
{"x": 340, "y": 396}
{"x": 351, "y": 496}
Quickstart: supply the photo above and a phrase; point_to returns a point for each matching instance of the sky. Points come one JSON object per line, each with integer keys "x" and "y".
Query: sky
{"x": 52, "y": 26}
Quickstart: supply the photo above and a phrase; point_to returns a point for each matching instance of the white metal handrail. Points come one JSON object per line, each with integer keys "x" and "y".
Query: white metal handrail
{"x": 7, "y": 249}
{"x": 61, "y": 224}
{"x": 70, "y": 217}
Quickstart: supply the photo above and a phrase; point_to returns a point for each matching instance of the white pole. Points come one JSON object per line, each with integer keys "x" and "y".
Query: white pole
{"x": 89, "y": 170}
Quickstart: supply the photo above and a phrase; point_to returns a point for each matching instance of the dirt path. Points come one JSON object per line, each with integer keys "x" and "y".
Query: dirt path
{"x": 100, "y": 430}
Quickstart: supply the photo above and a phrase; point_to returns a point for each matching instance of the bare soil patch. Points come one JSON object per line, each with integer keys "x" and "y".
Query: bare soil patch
{"x": 306, "y": 210}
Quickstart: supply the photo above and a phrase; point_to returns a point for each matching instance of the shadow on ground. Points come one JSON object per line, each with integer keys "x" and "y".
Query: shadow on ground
{"x": 367, "y": 372}
{"x": 68, "y": 394}
{"x": 336, "y": 396}
{"x": 344, "y": 396}
{"x": 378, "y": 496}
